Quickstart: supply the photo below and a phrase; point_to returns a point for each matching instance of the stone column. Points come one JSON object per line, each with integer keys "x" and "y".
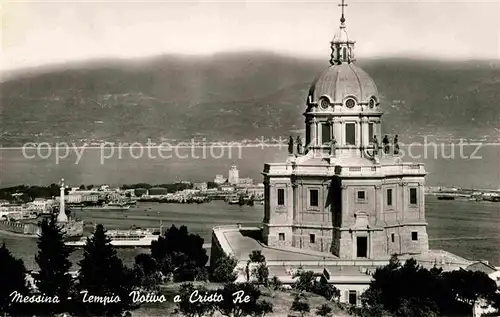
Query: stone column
{"x": 357, "y": 131}
{"x": 332, "y": 127}
{"x": 314, "y": 130}
{"x": 289, "y": 203}
{"x": 404, "y": 203}
{"x": 379, "y": 204}
{"x": 318, "y": 132}
{"x": 294, "y": 191}
{"x": 421, "y": 193}
{"x": 345, "y": 203}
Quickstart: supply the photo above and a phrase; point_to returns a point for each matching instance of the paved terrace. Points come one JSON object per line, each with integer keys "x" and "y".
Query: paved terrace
{"x": 241, "y": 241}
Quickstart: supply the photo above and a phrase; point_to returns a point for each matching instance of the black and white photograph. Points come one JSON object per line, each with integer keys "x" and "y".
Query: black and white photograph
{"x": 280, "y": 158}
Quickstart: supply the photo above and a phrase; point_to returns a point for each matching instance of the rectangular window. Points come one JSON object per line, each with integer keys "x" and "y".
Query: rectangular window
{"x": 392, "y": 237}
{"x": 370, "y": 132}
{"x": 313, "y": 197}
{"x": 281, "y": 196}
{"x": 325, "y": 133}
{"x": 350, "y": 134}
{"x": 353, "y": 298}
{"x": 281, "y": 236}
{"x": 361, "y": 195}
{"x": 312, "y": 238}
{"x": 389, "y": 197}
{"x": 413, "y": 196}
{"x": 414, "y": 236}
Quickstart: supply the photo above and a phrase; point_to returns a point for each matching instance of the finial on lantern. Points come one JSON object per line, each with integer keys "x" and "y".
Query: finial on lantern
{"x": 342, "y": 18}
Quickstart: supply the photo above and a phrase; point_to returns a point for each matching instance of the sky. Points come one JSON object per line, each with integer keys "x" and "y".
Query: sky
{"x": 37, "y": 33}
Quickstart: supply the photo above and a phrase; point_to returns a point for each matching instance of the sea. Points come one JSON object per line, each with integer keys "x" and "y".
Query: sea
{"x": 466, "y": 228}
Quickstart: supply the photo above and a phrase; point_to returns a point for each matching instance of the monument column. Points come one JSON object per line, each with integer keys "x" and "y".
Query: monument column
{"x": 61, "y": 217}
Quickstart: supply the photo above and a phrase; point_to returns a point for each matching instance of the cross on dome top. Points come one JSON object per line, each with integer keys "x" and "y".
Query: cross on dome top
{"x": 343, "y": 5}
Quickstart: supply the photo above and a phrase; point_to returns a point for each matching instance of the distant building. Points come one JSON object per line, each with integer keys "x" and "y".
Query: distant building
{"x": 234, "y": 175}
{"x": 227, "y": 188}
{"x": 158, "y": 191}
{"x": 139, "y": 192}
{"x": 219, "y": 179}
{"x": 256, "y": 190}
{"x": 40, "y": 204}
{"x": 245, "y": 181}
{"x": 201, "y": 186}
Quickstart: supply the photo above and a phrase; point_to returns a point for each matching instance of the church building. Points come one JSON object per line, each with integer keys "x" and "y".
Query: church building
{"x": 342, "y": 194}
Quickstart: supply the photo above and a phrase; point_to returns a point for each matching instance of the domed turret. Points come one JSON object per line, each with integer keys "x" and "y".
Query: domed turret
{"x": 342, "y": 104}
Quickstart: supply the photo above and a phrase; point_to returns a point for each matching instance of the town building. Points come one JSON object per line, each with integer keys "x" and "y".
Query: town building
{"x": 201, "y": 186}
{"x": 219, "y": 179}
{"x": 246, "y": 181}
{"x": 342, "y": 194}
{"x": 234, "y": 175}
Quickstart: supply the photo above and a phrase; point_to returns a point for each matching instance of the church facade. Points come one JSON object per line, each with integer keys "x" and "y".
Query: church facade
{"x": 343, "y": 194}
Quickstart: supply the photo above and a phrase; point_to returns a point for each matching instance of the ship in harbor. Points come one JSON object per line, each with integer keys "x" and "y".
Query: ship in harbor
{"x": 139, "y": 238}
{"x": 113, "y": 206}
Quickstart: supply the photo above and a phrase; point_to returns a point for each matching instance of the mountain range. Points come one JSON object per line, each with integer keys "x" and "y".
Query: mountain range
{"x": 235, "y": 96}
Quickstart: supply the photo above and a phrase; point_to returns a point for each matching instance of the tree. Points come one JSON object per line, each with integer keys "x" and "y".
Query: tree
{"x": 180, "y": 253}
{"x": 13, "y": 277}
{"x": 276, "y": 283}
{"x": 305, "y": 281}
{"x": 195, "y": 308}
{"x": 53, "y": 278}
{"x": 324, "y": 310}
{"x": 432, "y": 292}
{"x": 212, "y": 185}
{"x": 326, "y": 290}
{"x": 263, "y": 307}
{"x": 300, "y": 304}
{"x": 257, "y": 257}
{"x": 102, "y": 273}
{"x": 146, "y": 272}
{"x": 224, "y": 270}
{"x": 468, "y": 286}
{"x": 261, "y": 272}
{"x": 247, "y": 304}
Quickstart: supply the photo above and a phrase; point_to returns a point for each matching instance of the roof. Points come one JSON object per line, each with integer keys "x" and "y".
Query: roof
{"x": 340, "y": 81}
{"x": 481, "y": 266}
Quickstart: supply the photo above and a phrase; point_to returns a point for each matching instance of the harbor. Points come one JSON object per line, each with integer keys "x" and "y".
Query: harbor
{"x": 454, "y": 193}
{"x": 466, "y": 228}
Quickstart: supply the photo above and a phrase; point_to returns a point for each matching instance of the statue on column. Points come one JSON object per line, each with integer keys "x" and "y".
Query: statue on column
{"x": 333, "y": 146}
{"x": 385, "y": 141}
{"x": 375, "y": 146}
{"x": 290, "y": 145}
{"x": 299, "y": 145}
{"x": 396, "y": 145}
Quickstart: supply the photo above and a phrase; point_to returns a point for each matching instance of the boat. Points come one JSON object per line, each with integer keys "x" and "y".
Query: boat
{"x": 492, "y": 198}
{"x": 124, "y": 238}
{"x": 110, "y": 206}
{"x": 446, "y": 198}
{"x": 233, "y": 199}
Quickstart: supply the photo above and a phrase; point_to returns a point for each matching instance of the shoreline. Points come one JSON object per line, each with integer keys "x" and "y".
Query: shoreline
{"x": 34, "y": 145}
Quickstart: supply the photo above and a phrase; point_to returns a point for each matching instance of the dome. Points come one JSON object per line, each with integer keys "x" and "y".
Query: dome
{"x": 340, "y": 81}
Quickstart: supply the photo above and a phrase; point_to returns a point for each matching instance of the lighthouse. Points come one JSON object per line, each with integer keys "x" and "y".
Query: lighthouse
{"x": 61, "y": 217}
